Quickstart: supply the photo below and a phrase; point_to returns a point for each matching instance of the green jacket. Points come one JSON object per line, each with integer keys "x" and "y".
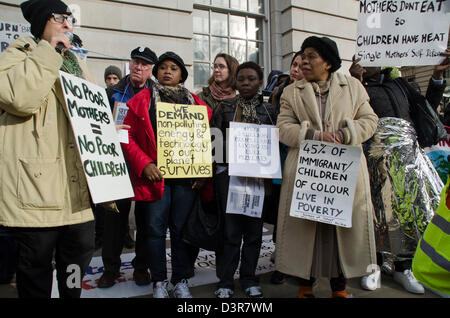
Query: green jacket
{"x": 42, "y": 183}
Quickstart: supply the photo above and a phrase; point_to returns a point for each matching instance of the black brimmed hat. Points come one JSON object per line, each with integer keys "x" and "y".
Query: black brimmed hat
{"x": 37, "y": 12}
{"x": 144, "y": 53}
{"x": 173, "y": 57}
{"x": 327, "y": 49}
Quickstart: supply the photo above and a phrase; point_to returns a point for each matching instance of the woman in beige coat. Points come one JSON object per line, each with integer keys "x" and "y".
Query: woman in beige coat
{"x": 335, "y": 108}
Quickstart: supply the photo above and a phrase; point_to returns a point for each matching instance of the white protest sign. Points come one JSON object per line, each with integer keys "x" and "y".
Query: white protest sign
{"x": 325, "y": 182}
{"x": 245, "y": 196}
{"x": 402, "y": 33}
{"x": 96, "y": 138}
{"x": 11, "y": 31}
{"x": 253, "y": 151}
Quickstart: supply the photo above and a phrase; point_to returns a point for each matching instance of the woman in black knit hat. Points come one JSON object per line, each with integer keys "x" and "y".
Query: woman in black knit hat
{"x": 160, "y": 203}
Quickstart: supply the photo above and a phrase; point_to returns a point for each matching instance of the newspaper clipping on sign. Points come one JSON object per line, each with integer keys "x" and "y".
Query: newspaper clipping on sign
{"x": 402, "y": 32}
{"x": 325, "y": 182}
{"x": 96, "y": 138}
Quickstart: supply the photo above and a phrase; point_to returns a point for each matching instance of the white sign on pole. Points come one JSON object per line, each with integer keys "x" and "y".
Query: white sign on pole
{"x": 11, "y": 31}
{"x": 402, "y": 32}
{"x": 325, "y": 182}
{"x": 245, "y": 196}
{"x": 253, "y": 151}
{"x": 96, "y": 138}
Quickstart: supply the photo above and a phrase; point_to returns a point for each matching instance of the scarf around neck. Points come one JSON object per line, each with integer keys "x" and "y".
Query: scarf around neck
{"x": 249, "y": 108}
{"x": 321, "y": 87}
{"x": 321, "y": 90}
{"x": 172, "y": 94}
{"x": 219, "y": 93}
{"x": 70, "y": 63}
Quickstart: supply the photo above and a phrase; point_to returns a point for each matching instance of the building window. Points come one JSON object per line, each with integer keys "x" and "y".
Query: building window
{"x": 235, "y": 27}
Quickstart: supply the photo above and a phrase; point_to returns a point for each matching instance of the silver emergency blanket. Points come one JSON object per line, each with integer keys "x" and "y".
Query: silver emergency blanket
{"x": 405, "y": 187}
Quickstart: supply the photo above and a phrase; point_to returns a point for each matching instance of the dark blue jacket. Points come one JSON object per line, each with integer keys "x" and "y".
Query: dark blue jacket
{"x": 123, "y": 91}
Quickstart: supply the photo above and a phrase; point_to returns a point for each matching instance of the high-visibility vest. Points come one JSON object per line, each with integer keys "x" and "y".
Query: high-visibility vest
{"x": 431, "y": 263}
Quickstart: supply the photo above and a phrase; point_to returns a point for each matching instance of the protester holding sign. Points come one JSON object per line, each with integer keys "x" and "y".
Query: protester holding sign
{"x": 221, "y": 89}
{"x": 388, "y": 97}
{"x": 248, "y": 108}
{"x": 160, "y": 204}
{"x": 326, "y": 106}
{"x": 45, "y": 196}
{"x": 394, "y": 98}
{"x": 116, "y": 233}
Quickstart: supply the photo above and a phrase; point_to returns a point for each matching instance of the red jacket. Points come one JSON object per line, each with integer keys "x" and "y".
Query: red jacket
{"x": 141, "y": 149}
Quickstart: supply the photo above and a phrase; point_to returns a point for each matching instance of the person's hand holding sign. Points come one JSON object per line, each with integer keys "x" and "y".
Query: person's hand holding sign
{"x": 438, "y": 70}
{"x": 330, "y": 137}
{"x": 119, "y": 127}
{"x": 356, "y": 70}
{"x": 152, "y": 172}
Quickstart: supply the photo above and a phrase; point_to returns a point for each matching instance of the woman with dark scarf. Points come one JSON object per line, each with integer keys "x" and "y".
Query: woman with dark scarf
{"x": 248, "y": 108}
{"x": 221, "y": 89}
{"x": 160, "y": 204}
{"x": 222, "y": 83}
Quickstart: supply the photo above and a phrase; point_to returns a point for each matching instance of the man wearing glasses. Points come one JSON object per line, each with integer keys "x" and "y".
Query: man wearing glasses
{"x": 116, "y": 232}
{"x": 44, "y": 196}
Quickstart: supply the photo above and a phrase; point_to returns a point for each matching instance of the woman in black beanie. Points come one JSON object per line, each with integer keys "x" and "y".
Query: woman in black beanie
{"x": 332, "y": 107}
{"x": 38, "y": 12}
{"x": 52, "y": 21}
{"x": 160, "y": 203}
{"x": 49, "y": 206}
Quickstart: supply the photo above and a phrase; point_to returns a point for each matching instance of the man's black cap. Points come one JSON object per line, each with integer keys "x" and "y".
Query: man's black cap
{"x": 144, "y": 53}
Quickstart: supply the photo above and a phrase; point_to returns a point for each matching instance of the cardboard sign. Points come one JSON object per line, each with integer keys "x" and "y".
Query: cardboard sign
{"x": 253, "y": 151}
{"x": 325, "y": 182}
{"x": 402, "y": 32}
{"x": 96, "y": 138}
{"x": 11, "y": 31}
{"x": 183, "y": 141}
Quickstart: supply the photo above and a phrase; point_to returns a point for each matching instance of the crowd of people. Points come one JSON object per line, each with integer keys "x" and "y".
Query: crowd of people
{"x": 48, "y": 220}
